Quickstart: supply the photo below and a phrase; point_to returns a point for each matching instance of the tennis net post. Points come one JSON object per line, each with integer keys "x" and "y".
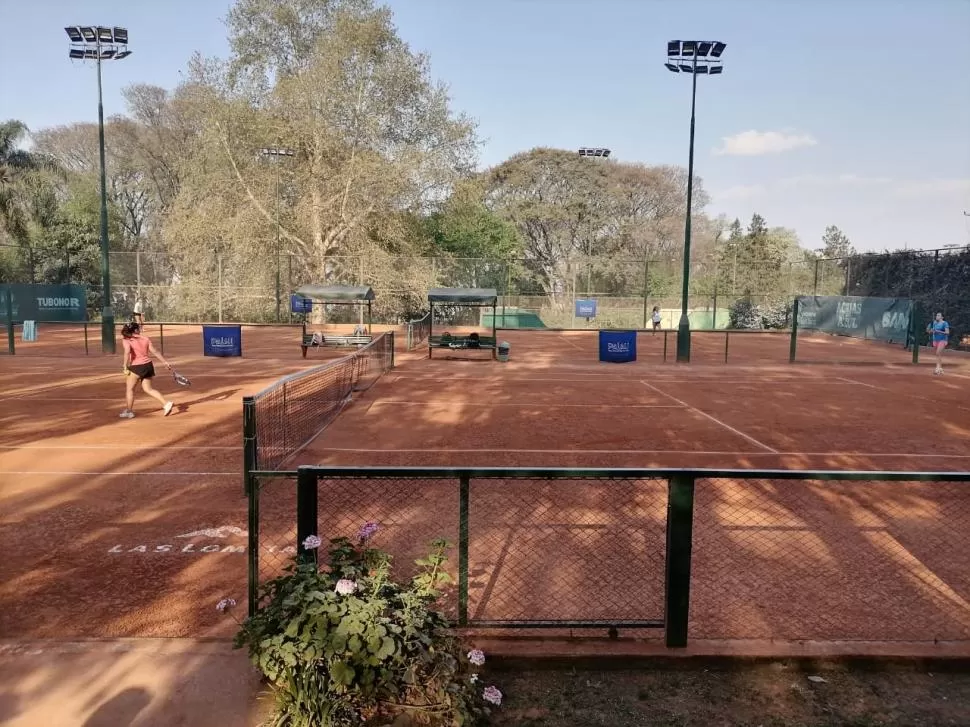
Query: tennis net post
{"x": 793, "y": 345}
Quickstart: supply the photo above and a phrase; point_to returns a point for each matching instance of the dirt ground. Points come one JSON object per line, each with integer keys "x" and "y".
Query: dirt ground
{"x": 758, "y": 694}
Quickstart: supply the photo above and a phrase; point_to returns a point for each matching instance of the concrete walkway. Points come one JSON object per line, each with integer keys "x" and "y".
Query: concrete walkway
{"x": 128, "y": 683}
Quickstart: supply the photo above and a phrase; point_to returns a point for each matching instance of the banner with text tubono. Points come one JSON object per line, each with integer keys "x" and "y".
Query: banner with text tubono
{"x": 45, "y": 302}
{"x": 883, "y": 319}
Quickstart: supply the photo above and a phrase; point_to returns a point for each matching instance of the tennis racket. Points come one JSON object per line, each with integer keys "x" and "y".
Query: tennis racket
{"x": 180, "y": 379}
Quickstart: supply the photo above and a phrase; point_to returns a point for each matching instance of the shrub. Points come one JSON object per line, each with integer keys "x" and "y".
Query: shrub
{"x": 745, "y": 314}
{"x": 776, "y": 314}
{"x": 344, "y": 644}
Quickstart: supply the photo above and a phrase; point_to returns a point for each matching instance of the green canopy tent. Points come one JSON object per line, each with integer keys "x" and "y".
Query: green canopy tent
{"x": 463, "y": 297}
{"x": 356, "y": 295}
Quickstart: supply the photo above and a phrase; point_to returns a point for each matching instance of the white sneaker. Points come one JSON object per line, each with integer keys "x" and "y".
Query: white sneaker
{"x": 168, "y": 408}
{"x": 127, "y": 414}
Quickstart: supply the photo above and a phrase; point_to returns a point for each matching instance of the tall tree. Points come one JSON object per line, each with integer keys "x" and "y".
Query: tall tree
{"x": 835, "y": 244}
{"x": 373, "y": 139}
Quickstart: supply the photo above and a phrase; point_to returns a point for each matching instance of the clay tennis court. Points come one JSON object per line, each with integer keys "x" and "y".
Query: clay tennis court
{"x": 137, "y": 528}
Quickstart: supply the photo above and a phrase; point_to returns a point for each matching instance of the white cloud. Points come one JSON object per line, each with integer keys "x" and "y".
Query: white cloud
{"x": 906, "y": 189}
{"x": 932, "y": 187}
{"x": 741, "y": 191}
{"x": 757, "y": 143}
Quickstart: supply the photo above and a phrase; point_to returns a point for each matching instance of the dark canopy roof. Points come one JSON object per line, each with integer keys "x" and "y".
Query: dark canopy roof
{"x": 463, "y": 296}
{"x": 336, "y": 293}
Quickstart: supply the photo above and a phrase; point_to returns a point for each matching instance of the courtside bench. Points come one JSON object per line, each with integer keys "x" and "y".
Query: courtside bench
{"x": 460, "y": 342}
{"x": 335, "y": 341}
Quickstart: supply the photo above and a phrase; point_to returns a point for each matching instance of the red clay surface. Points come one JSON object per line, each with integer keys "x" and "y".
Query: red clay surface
{"x": 137, "y": 528}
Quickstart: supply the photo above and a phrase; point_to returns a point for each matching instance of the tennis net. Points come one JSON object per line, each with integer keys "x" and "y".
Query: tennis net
{"x": 289, "y": 414}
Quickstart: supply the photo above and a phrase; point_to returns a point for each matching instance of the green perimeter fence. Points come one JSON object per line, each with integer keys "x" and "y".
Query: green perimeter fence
{"x": 705, "y": 554}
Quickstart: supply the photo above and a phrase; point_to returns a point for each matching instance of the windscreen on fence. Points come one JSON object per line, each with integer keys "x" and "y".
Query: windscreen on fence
{"x": 284, "y": 417}
{"x": 883, "y": 319}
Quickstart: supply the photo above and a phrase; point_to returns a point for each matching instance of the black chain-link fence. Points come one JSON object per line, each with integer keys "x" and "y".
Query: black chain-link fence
{"x": 876, "y": 556}
{"x": 824, "y": 560}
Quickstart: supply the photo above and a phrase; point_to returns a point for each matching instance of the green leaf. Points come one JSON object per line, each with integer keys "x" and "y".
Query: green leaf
{"x": 342, "y": 673}
{"x": 388, "y": 648}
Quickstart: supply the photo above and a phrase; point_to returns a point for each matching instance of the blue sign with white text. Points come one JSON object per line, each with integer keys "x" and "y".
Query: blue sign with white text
{"x": 618, "y": 346}
{"x": 222, "y": 340}
{"x": 300, "y": 305}
{"x": 585, "y": 308}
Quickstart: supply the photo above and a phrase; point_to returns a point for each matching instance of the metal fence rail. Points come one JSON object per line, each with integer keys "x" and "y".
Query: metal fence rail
{"x": 718, "y": 554}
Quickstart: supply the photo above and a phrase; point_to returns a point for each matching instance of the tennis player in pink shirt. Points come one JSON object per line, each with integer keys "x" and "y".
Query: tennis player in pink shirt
{"x": 138, "y": 366}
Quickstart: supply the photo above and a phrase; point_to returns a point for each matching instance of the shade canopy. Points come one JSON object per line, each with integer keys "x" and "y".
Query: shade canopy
{"x": 336, "y": 293}
{"x": 463, "y": 296}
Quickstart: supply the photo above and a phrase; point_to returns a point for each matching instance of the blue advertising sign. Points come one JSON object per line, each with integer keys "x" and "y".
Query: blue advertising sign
{"x": 222, "y": 340}
{"x": 45, "y": 302}
{"x": 618, "y": 346}
{"x": 298, "y": 304}
{"x": 585, "y": 308}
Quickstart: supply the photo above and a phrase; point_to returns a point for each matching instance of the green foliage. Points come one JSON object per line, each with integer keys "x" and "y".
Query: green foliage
{"x": 835, "y": 243}
{"x": 745, "y": 314}
{"x": 776, "y": 314}
{"x": 937, "y": 280}
{"x": 347, "y": 645}
{"x": 749, "y": 315}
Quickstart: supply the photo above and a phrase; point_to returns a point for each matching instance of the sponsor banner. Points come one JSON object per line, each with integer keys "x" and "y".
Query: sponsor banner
{"x": 45, "y": 302}
{"x": 884, "y": 319}
{"x": 618, "y": 346}
{"x": 222, "y": 340}
{"x": 299, "y": 304}
{"x": 585, "y": 308}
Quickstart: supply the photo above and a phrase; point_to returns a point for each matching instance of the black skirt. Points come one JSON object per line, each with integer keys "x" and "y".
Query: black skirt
{"x": 143, "y": 371}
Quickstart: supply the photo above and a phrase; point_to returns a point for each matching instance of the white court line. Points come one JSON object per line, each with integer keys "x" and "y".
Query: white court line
{"x": 773, "y": 453}
{"x": 120, "y": 474}
{"x": 544, "y": 405}
{"x": 713, "y": 419}
{"x": 115, "y": 447}
{"x": 900, "y": 393}
{"x": 37, "y": 397}
{"x": 592, "y": 380}
{"x": 861, "y": 383}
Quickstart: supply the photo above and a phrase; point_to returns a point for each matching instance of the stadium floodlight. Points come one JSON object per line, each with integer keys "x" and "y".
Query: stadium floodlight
{"x": 698, "y": 58}
{"x": 599, "y": 151}
{"x": 100, "y": 43}
{"x": 277, "y": 153}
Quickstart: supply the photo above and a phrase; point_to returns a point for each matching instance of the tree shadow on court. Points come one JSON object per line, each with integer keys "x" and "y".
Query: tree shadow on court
{"x": 154, "y": 684}
{"x": 138, "y": 553}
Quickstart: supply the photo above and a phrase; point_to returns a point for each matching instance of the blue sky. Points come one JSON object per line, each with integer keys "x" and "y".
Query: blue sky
{"x": 853, "y": 113}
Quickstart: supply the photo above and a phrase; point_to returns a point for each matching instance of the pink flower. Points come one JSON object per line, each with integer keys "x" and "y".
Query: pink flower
{"x": 476, "y": 657}
{"x": 493, "y": 695}
{"x": 311, "y": 543}
{"x": 225, "y": 604}
{"x": 367, "y": 531}
{"x": 345, "y": 587}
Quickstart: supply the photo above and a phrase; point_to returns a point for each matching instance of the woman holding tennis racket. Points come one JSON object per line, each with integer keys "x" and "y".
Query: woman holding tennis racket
{"x": 138, "y": 366}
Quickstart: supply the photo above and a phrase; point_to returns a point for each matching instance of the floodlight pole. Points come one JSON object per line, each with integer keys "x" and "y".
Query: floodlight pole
{"x": 277, "y": 152}
{"x": 277, "y": 242}
{"x": 107, "y": 313}
{"x": 683, "y": 329}
{"x": 93, "y": 40}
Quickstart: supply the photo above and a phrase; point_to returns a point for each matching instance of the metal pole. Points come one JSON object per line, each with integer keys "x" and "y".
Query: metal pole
{"x": 683, "y": 330}
{"x": 107, "y": 314}
{"x": 646, "y": 287}
{"x": 277, "y": 240}
{"x": 219, "y": 265}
